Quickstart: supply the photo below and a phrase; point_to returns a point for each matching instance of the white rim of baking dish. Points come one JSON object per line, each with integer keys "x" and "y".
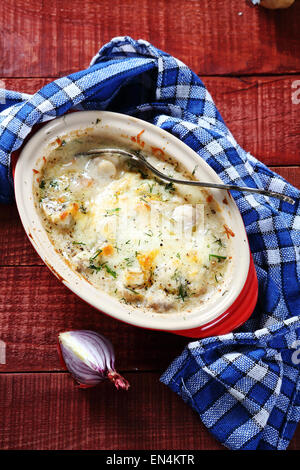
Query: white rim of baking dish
{"x": 101, "y": 122}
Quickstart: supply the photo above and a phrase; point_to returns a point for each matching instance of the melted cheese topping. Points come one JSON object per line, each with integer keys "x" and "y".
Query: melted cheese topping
{"x": 154, "y": 245}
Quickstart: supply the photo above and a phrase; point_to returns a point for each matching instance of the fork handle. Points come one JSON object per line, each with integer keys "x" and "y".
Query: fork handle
{"x": 264, "y": 192}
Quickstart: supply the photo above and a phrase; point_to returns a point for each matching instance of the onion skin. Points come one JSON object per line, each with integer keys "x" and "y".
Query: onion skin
{"x": 89, "y": 357}
{"x": 119, "y": 382}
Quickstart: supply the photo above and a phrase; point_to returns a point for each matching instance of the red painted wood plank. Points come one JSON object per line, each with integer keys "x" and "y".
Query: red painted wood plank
{"x": 212, "y": 37}
{"x": 35, "y": 307}
{"x": 46, "y": 411}
{"x": 295, "y": 442}
{"x": 261, "y": 115}
{"x": 15, "y": 248}
{"x": 290, "y": 173}
{"x": 259, "y": 112}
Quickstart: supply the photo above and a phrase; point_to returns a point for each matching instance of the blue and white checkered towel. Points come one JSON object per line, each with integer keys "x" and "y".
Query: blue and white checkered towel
{"x": 245, "y": 385}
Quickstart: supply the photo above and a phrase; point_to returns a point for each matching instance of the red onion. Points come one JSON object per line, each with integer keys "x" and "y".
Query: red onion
{"x": 90, "y": 358}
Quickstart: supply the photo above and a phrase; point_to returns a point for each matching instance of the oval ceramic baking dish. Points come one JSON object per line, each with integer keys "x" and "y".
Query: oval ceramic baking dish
{"x": 222, "y": 313}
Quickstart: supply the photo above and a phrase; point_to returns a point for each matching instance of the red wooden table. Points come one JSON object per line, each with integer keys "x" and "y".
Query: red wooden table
{"x": 249, "y": 59}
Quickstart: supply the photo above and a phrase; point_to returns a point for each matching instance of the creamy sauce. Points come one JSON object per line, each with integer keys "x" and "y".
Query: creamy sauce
{"x": 154, "y": 245}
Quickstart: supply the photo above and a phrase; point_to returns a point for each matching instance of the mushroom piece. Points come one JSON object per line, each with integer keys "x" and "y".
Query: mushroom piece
{"x": 188, "y": 218}
{"x": 105, "y": 168}
{"x": 58, "y": 215}
{"x": 134, "y": 279}
{"x": 131, "y": 295}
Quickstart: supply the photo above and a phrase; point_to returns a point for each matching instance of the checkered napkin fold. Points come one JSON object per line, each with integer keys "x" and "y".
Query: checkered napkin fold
{"x": 245, "y": 385}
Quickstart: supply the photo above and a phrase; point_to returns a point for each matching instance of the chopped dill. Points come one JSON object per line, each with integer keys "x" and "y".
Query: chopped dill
{"x": 96, "y": 255}
{"x": 110, "y": 212}
{"x": 219, "y": 242}
{"x": 151, "y": 186}
{"x": 129, "y": 261}
{"x": 144, "y": 200}
{"x": 182, "y": 292}
{"x": 110, "y": 271}
{"x": 170, "y": 187}
{"x": 150, "y": 233}
{"x": 107, "y": 268}
{"x": 132, "y": 290}
{"x": 83, "y": 209}
{"x": 53, "y": 184}
{"x": 218, "y": 257}
{"x": 96, "y": 268}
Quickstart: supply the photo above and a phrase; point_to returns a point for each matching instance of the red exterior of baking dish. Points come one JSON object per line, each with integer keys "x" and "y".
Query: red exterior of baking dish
{"x": 235, "y": 316}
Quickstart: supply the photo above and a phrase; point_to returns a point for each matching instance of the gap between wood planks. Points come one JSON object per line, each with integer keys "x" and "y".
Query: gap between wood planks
{"x": 60, "y": 371}
{"x": 211, "y": 38}
{"x": 200, "y": 75}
